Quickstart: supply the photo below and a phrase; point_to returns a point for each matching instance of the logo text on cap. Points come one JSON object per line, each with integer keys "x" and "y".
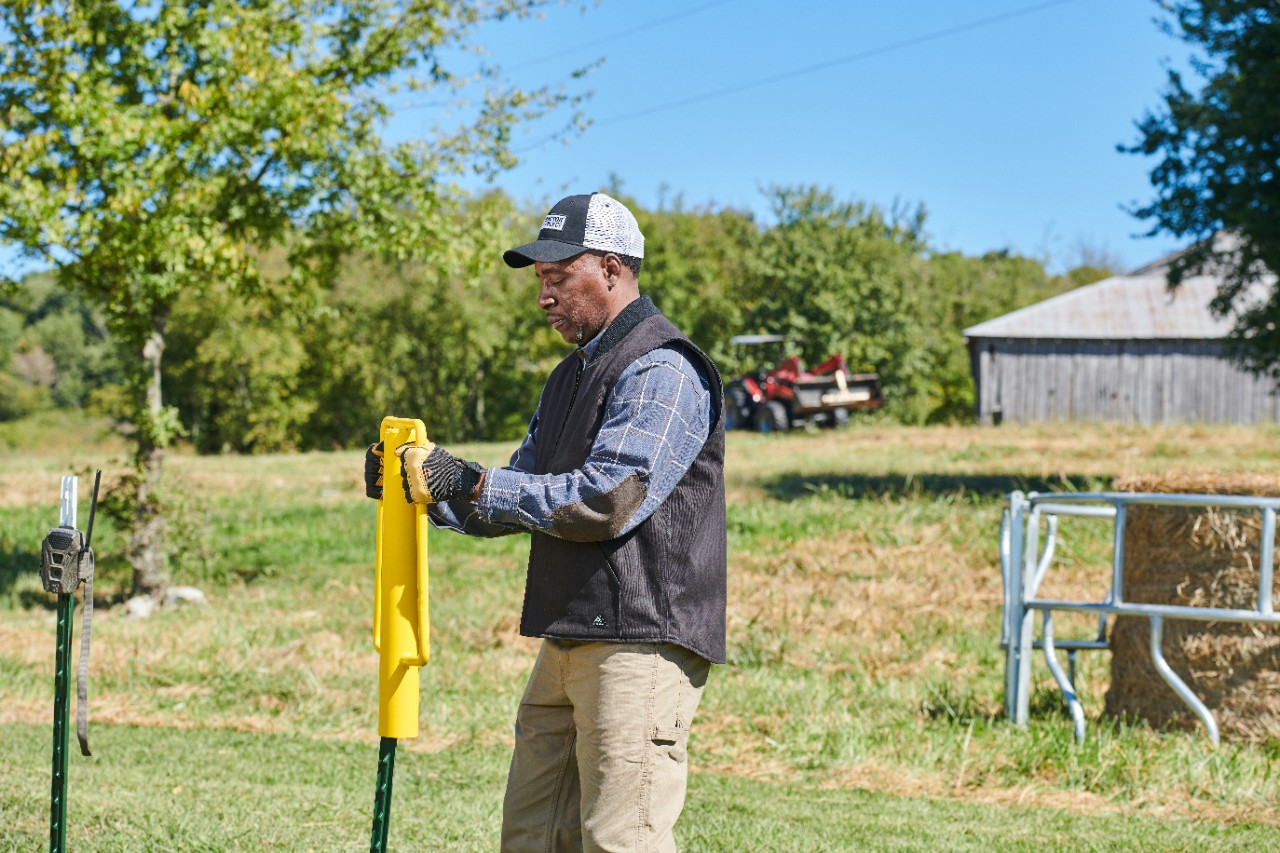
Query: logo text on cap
{"x": 553, "y": 222}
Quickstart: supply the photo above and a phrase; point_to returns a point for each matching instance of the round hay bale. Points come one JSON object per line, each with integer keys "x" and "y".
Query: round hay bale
{"x": 1196, "y": 557}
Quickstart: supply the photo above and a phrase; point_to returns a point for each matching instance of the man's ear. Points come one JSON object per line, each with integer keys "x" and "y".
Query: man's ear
{"x": 612, "y": 266}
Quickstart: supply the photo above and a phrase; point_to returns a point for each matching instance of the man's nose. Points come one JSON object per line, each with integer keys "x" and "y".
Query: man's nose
{"x": 544, "y": 298}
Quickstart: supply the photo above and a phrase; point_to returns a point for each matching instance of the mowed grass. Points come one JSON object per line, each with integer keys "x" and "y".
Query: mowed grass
{"x": 861, "y": 708}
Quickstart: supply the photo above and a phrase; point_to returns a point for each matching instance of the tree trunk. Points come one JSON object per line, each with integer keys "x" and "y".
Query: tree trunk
{"x": 148, "y": 551}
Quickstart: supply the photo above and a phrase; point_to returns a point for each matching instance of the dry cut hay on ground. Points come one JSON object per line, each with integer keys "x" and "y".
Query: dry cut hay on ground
{"x": 1199, "y": 557}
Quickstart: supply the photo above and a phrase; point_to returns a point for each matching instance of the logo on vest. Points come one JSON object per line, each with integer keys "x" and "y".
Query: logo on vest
{"x": 554, "y": 222}
{"x": 598, "y": 622}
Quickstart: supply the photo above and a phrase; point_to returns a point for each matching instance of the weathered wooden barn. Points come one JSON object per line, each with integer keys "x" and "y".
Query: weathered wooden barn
{"x": 1122, "y": 349}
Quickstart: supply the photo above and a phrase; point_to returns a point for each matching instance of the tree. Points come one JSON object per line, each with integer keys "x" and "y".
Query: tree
{"x": 1219, "y": 166}
{"x": 694, "y": 268}
{"x": 232, "y": 366}
{"x": 475, "y": 346}
{"x": 156, "y": 149}
{"x": 53, "y": 349}
{"x": 848, "y": 278}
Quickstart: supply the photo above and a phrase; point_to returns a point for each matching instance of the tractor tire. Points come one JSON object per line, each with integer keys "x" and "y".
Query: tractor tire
{"x": 737, "y": 408}
{"x": 835, "y": 419}
{"x": 772, "y": 417}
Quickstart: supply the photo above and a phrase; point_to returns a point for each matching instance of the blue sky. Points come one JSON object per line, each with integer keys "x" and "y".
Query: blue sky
{"x": 1001, "y": 117}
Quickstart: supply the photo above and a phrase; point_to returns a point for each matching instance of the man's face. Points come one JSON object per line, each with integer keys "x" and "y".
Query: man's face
{"x": 575, "y": 296}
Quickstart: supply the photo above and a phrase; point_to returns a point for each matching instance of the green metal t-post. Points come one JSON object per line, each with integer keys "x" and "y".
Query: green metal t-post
{"x": 61, "y": 715}
{"x": 62, "y": 692}
{"x": 382, "y": 795}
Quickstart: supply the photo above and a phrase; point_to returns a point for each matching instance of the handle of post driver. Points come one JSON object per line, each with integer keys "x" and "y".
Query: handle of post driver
{"x": 421, "y": 637}
{"x": 377, "y": 583}
{"x": 424, "y": 589}
{"x": 419, "y": 524}
{"x": 377, "y": 562}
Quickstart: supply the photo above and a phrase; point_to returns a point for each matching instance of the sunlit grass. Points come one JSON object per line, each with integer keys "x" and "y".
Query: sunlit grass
{"x": 865, "y": 671}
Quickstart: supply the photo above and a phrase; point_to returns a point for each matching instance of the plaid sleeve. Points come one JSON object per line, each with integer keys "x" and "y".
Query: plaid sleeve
{"x": 462, "y": 515}
{"x": 656, "y": 420}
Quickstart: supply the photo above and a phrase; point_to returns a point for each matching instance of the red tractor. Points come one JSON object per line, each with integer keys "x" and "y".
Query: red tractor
{"x": 790, "y": 396}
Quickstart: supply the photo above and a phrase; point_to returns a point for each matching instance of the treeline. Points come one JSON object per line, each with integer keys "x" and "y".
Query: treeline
{"x": 462, "y": 344}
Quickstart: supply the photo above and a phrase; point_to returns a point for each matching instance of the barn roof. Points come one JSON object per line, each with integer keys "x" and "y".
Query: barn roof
{"x": 1125, "y": 307}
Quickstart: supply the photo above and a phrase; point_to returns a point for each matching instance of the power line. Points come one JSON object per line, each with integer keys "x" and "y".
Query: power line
{"x": 657, "y": 22}
{"x": 810, "y": 69}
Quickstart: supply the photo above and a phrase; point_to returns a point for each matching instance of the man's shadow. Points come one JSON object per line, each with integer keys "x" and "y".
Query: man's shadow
{"x": 789, "y": 487}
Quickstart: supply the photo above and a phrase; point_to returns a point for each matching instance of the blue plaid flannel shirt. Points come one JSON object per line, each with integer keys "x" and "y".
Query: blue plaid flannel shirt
{"x": 657, "y": 418}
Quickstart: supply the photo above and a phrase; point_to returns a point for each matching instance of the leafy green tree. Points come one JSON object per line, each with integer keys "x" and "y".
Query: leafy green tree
{"x": 233, "y": 372}
{"x": 460, "y": 345}
{"x": 155, "y": 149}
{"x": 53, "y": 348}
{"x": 969, "y": 290}
{"x": 511, "y": 347}
{"x": 76, "y": 342}
{"x": 403, "y": 347}
{"x": 1219, "y": 162}
{"x": 962, "y": 291}
{"x": 696, "y": 264}
{"x": 18, "y": 397}
{"x": 846, "y": 278}
{"x": 11, "y": 323}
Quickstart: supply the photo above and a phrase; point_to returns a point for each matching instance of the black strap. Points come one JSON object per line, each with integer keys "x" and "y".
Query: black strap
{"x": 82, "y": 674}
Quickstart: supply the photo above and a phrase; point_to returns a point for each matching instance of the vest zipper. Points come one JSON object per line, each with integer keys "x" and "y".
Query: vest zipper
{"x": 577, "y": 380}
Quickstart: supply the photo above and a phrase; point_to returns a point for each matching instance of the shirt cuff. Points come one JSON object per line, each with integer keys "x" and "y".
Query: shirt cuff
{"x": 500, "y": 498}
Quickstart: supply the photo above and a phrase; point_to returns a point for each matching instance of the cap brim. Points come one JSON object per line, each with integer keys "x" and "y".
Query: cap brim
{"x": 540, "y": 251}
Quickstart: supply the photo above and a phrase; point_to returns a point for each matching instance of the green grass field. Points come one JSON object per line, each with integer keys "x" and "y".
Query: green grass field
{"x": 861, "y": 709}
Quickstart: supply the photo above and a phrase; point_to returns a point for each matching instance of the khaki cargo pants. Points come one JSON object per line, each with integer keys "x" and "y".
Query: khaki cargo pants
{"x": 599, "y": 761}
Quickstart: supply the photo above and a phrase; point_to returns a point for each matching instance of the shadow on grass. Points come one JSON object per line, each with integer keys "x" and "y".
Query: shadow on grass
{"x": 857, "y": 486}
{"x": 111, "y": 576}
{"x": 15, "y": 562}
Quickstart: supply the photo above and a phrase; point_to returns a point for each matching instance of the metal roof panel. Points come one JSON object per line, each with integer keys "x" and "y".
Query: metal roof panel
{"x": 1127, "y": 307}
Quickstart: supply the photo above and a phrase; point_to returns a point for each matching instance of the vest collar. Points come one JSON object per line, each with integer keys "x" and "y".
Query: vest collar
{"x": 630, "y": 317}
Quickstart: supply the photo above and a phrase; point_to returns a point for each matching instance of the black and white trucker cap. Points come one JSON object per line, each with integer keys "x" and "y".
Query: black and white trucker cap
{"x": 578, "y": 223}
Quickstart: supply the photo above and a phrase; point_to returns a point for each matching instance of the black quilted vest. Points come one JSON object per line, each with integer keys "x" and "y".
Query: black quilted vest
{"x": 664, "y": 581}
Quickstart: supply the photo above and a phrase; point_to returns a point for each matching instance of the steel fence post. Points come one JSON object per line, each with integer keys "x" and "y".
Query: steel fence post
{"x": 62, "y": 690}
{"x": 1266, "y": 566}
{"x": 1025, "y": 626}
{"x": 1013, "y": 606}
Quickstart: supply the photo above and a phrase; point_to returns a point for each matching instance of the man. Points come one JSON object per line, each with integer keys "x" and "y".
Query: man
{"x": 620, "y": 484}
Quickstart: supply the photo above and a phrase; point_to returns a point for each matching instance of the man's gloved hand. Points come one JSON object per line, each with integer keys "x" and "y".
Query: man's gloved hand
{"x": 431, "y": 474}
{"x": 373, "y": 471}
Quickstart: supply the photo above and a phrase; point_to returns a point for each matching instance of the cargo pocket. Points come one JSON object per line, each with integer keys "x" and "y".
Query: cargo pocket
{"x": 671, "y": 743}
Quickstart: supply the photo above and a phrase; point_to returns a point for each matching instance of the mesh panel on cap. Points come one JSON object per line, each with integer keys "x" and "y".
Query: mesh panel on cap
{"x": 612, "y": 228}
